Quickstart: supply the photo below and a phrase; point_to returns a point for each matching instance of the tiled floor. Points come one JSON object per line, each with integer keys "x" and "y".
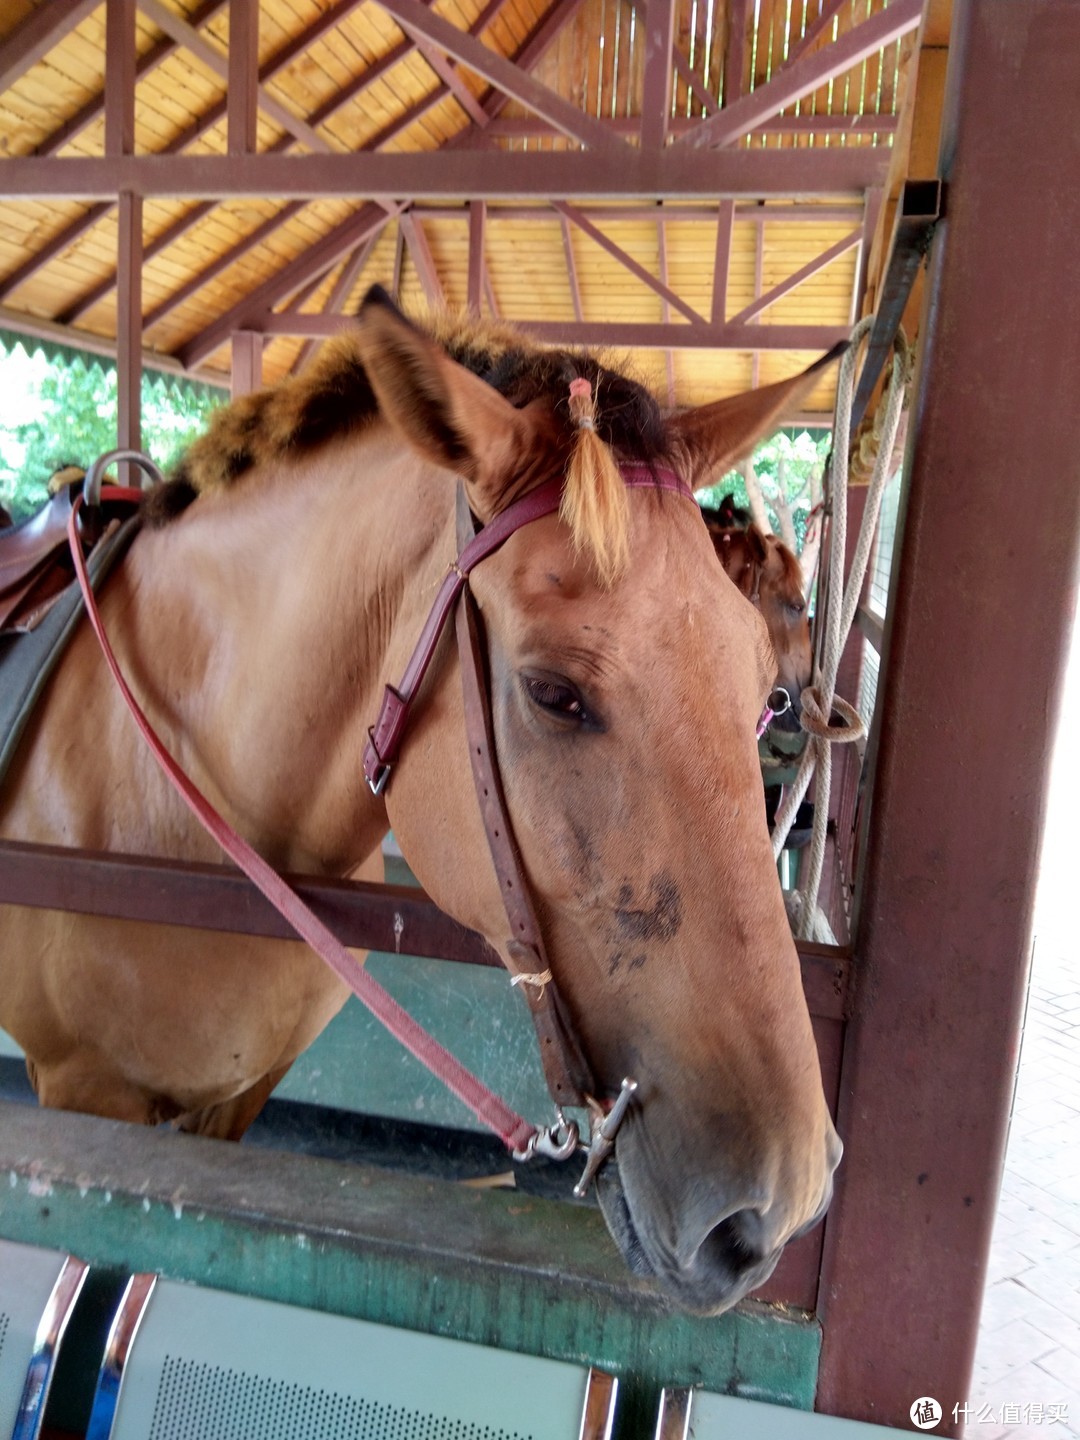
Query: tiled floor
{"x": 1029, "y": 1338}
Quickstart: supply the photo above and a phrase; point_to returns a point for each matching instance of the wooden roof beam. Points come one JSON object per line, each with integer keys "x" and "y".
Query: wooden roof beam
{"x": 423, "y": 260}
{"x": 817, "y": 27}
{"x": 339, "y": 295}
{"x": 242, "y": 76}
{"x": 159, "y": 52}
{"x": 678, "y": 171}
{"x": 738, "y": 20}
{"x": 35, "y": 36}
{"x": 748, "y": 212}
{"x": 189, "y": 38}
{"x": 725, "y": 221}
{"x": 806, "y": 74}
{"x": 521, "y": 127}
{"x": 417, "y": 20}
{"x": 632, "y": 335}
{"x": 665, "y": 315}
{"x": 249, "y": 313}
{"x": 785, "y": 287}
{"x": 627, "y": 261}
{"x": 571, "y": 269}
{"x": 656, "y": 83}
{"x": 477, "y": 269}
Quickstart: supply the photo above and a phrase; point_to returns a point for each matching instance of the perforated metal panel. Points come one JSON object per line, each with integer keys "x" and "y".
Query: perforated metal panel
{"x": 218, "y": 1404}
{"x": 225, "y": 1367}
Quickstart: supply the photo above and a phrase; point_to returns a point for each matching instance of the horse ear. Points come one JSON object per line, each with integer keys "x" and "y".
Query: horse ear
{"x": 442, "y": 410}
{"x": 715, "y": 437}
{"x": 757, "y": 544}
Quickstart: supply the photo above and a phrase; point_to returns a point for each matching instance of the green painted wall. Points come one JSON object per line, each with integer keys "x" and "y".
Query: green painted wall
{"x": 495, "y": 1267}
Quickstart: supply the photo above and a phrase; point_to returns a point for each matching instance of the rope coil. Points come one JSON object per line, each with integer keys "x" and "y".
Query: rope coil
{"x": 819, "y": 701}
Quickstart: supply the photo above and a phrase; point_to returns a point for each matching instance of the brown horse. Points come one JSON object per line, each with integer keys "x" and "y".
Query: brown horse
{"x": 771, "y": 578}
{"x": 280, "y": 579}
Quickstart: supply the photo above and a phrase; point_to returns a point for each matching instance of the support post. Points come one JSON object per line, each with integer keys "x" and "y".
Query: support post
{"x": 247, "y": 348}
{"x": 243, "y": 92}
{"x": 119, "y": 141}
{"x": 974, "y": 647}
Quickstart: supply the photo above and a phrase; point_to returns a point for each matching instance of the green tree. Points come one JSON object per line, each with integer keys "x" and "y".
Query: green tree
{"x": 74, "y": 413}
{"x": 784, "y": 463}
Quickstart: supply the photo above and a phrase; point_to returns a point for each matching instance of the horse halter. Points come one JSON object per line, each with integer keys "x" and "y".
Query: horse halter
{"x": 565, "y": 1068}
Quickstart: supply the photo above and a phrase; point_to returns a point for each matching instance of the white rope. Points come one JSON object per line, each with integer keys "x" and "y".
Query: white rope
{"x": 836, "y": 614}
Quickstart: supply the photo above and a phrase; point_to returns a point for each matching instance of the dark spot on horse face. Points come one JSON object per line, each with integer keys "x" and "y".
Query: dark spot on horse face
{"x": 554, "y": 579}
{"x": 660, "y": 919}
{"x": 638, "y": 961}
{"x": 614, "y": 961}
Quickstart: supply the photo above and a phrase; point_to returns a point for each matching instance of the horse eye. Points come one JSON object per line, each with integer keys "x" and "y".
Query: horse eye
{"x": 555, "y": 698}
{"x": 796, "y": 609}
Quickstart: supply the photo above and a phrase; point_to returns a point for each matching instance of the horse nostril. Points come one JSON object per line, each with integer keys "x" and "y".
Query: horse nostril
{"x": 736, "y": 1244}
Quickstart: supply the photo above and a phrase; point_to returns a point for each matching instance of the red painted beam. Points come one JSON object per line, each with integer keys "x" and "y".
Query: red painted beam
{"x": 35, "y": 36}
{"x": 417, "y": 20}
{"x": 804, "y": 273}
{"x": 678, "y": 171}
{"x": 659, "y": 27}
{"x": 243, "y": 76}
{"x": 980, "y": 611}
{"x": 806, "y": 75}
{"x": 571, "y": 213}
{"x": 625, "y": 334}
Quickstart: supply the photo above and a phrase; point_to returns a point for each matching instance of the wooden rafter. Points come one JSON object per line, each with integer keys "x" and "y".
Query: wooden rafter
{"x": 339, "y": 294}
{"x": 628, "y": 262}
{"x": 806, "y": 74}
{"x": 243, "y": 75}
{"x": 315, "y": 260}
{"x": 512, "y": 79}
{"x": 656, "y": 84}
{"x": 31, "y": 40}
{"x": 423, "y": 260}
{"x": 813, "y": 267}
{"x": 477, "y": 268}
{"x": 630, "y": 335}
{"x": 678, "y": 171}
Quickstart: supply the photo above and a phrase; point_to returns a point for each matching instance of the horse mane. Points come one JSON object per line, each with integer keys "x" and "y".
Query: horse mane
{"x": 332, "y": 398}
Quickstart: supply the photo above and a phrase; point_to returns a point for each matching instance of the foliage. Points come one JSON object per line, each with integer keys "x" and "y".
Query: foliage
{"x": 71, "y": 410}
{"x": 800, "y": 455}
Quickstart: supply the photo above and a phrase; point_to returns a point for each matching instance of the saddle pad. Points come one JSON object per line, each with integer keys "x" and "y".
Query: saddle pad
{"x": 28, "y": 657}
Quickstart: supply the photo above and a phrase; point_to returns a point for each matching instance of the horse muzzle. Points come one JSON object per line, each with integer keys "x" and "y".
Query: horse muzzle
{"x": 714, "y": 1257}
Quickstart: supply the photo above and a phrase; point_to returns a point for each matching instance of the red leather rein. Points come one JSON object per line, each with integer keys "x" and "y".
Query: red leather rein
{"x": 517, "y": 1134}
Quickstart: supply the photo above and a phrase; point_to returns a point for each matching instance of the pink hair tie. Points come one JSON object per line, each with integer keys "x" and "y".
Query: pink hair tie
{"x": 582, "y": 387}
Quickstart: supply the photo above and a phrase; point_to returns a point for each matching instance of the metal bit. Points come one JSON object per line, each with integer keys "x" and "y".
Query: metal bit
{"x": 604, "y": 1130}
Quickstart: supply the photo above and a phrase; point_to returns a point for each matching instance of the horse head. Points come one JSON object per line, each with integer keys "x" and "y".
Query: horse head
{"x": 771, "y": 578}
{"x": 626, "y": 676}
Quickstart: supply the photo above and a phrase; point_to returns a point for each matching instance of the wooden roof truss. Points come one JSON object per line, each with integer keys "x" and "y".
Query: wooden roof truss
{"x": 464, "y": 139}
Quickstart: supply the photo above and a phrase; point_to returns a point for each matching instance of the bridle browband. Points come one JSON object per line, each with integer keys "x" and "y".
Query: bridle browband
{"x": 564, "y": 1065}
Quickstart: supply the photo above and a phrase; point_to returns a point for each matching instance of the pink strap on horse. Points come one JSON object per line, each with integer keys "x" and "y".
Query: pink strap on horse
{"x": 514, "y": 1131}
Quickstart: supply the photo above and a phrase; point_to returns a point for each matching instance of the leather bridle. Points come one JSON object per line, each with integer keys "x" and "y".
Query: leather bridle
{"x": 565, "y": 1067}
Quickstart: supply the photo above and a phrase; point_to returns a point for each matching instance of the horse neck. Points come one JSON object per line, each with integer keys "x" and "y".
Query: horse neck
{"x": 266, "y": 622}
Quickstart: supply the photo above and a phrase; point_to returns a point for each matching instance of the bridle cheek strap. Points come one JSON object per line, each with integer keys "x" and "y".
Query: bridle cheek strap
{"x": 565, "y": 1068}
